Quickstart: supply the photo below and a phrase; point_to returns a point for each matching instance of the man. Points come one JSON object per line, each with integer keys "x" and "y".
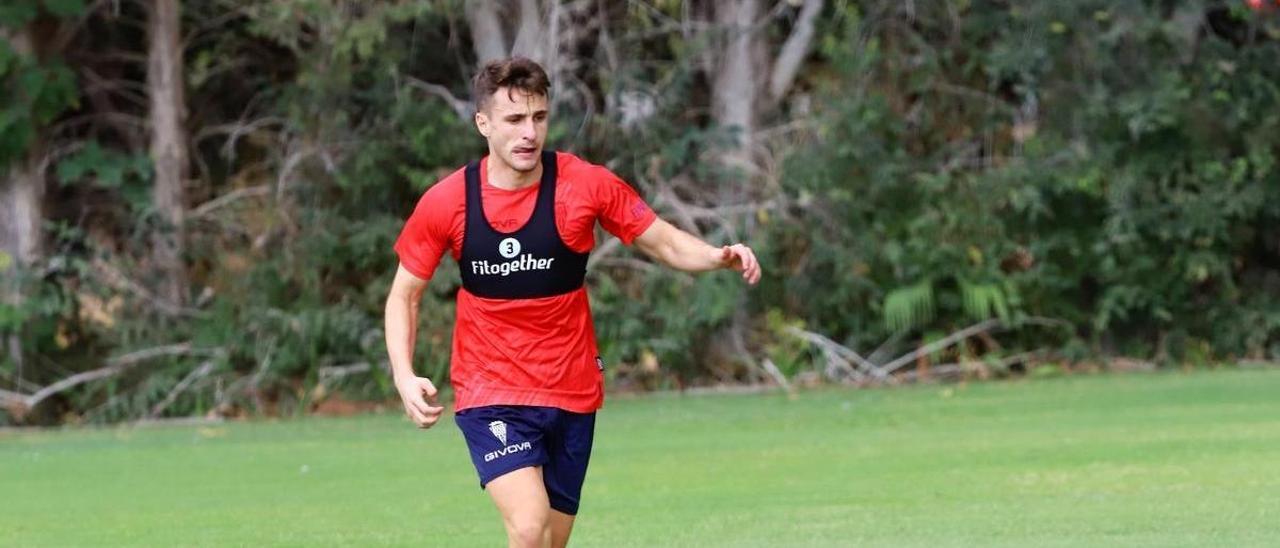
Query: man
{"x": 526, "y": 372}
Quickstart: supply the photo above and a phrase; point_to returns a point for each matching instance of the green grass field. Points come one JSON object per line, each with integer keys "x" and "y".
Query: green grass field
{"x": 1165, "y": 459}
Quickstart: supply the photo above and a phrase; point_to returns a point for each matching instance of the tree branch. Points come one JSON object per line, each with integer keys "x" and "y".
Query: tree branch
{"x": 794, "y": 51}
{"x": 221, "y": 201}
{"x": 114, "y": 366}
{"x": 199, "y": 373}
{"x": 464, "y": 109}
{"x": 941, "y": 344}
{"x": 114, "y": 278}
{"x": 844, "y": 352}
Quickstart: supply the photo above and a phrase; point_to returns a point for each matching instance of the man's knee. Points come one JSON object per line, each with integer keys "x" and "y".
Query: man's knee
{"x": 529, "y": 528}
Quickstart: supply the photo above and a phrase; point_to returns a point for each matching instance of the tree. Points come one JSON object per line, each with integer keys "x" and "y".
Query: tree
{"x": 36, "y": 89}
{"x": 168, "y": 146}
{"x": 748, "y": 79}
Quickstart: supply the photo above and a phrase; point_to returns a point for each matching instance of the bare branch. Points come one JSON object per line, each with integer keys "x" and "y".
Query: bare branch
{"x": 794, "y": 50}
{"x": 844, "y": 352}
{"x": 221, "y": 201}
{"x": 688, "y": 214}
{"x": 464, "y": 109}
{"x": 339, "y": 371}
{"x": 114, "y": 278}
{"x": 235, "y": 130}
{"x": 7, "y": 396}
{"x": 608, "y": 247}
{"x": 942, "y": 343}
{"x": 773, "y": 371}
{"x": 114, "y": 367}
{"x": 199, "y": 373}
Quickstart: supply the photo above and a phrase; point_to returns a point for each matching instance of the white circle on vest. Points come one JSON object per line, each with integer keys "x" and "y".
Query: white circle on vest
{"x": 509, "y": 247}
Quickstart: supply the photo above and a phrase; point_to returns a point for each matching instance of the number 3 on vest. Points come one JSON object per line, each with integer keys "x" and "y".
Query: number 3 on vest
{"x": 509, "y": 247}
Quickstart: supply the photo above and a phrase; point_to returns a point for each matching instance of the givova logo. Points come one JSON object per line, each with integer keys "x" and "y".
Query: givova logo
{"x": 499, "y": 430}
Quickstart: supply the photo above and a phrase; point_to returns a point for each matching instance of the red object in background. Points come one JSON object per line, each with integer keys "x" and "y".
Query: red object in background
{"x": 1262, "y": 5}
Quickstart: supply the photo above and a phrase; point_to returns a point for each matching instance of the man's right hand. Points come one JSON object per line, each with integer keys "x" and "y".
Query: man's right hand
{"x": 419, "y": 397}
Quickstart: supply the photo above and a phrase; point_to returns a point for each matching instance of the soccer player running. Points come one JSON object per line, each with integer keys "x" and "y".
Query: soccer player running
{"x": 526, "y": 372}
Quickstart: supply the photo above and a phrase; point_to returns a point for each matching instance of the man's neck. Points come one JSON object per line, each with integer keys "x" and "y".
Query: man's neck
{"x": 500, "y": 175}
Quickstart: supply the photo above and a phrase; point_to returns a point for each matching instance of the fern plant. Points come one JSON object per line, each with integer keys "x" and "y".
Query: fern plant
{"x": 914, "y": 306}
{"x": 982, "y": 301}
{"x": 909, "y": 307}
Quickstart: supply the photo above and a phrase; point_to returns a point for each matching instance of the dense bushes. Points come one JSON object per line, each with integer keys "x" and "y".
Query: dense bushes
{"x": 1105, "y": 168}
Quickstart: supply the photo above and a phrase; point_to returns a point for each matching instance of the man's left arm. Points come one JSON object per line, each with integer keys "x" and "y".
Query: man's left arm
{"x": 683, "y": 251}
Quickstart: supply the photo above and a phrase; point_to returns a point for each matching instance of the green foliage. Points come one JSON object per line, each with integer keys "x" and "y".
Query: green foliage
{"x": 982, "y": 301}
{"x": 1107, "y": 163}
{"x": 128, "y": 174}
{"x": 1023, "y": 168}
{"x": 31, "y": 95}
{"x": 909, "y": 307}
{"x": 790, "y": 353}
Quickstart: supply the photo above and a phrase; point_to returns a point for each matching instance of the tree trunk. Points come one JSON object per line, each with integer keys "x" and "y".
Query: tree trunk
{"x": 486, "y": 30}
{"x": 21, "y": 214}
{"x": 168, "y": 147}
{"x": 532, "y": 40}
{"x": 734, "y": 97}
{"x": 22, "y": 196}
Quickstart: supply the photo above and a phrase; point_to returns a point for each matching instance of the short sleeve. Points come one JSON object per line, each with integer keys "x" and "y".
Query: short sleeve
{"x": 620, "y": 209}
{"x": 425, "y": 236}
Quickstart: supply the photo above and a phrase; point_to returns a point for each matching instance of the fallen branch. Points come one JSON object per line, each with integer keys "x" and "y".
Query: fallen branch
{"x": 739, "y": 344}
{"x": 253, "y": 390}
{"x": 339, "y": 371}
{"x": 948, "y": 369}
{"x": 114, "y": 366}
{"x": 941, "y": 344}
{"x": 936, "y": 372}
{"x": 199, "y": 373}
{"x": 844, "y": 352}
{"x": 8, "y": 397}
{"x": 778, "y": 377}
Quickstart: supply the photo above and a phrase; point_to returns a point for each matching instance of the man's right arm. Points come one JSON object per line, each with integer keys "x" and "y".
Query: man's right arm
{"x": 401, "y": 326}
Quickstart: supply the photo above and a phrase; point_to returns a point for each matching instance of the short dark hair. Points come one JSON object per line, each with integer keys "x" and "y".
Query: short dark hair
{"x": 519, "y": 73}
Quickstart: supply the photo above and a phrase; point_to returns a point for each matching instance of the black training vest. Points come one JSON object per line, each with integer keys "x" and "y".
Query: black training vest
{"x": 529, "y": 263}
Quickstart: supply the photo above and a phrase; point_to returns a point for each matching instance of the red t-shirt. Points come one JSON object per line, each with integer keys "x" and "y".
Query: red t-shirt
{"x": 538, "y": 351}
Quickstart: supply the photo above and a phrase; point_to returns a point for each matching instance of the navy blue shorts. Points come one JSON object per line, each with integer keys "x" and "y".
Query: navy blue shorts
{"x": 505, "y": 438}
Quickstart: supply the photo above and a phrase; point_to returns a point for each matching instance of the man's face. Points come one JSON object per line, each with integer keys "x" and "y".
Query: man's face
{"x": 515, "y": 124}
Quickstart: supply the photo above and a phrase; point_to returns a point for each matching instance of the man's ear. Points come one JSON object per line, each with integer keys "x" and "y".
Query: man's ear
{"x": 482, "y": 124}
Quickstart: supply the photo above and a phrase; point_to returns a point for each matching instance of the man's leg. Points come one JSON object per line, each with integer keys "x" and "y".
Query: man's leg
{"x": 521, "y": 498}
{"x": 568, "y": 452}
{"x": 561, "y": 526}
